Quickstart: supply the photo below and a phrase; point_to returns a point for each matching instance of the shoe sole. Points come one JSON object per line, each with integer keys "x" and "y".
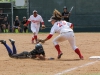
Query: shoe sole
{"x": 12, "y": 41}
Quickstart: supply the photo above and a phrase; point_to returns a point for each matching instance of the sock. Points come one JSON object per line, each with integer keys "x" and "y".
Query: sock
{"x": 8, "y": 49}
{"x": 35, "y": 37}
{"x": 58, "y": 48}
{"x": 78, "y": 52}
{"x": 32, "y": 38}
{"x": 14, "y": 49}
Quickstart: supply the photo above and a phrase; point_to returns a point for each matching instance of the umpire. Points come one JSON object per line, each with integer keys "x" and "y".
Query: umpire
{"x": 65, "y": 14}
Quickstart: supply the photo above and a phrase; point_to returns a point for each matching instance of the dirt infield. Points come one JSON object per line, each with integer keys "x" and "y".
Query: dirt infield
{"x": 69, "y": 64}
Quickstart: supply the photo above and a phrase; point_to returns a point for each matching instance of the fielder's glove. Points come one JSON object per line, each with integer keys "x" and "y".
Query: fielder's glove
{"x": 41, "y": 40}
{"x": 43, "y": 27}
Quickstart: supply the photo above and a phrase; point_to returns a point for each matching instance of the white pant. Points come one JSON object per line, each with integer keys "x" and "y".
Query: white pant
{"x": 66, "y": 36}
{"x": 35, "y": 29}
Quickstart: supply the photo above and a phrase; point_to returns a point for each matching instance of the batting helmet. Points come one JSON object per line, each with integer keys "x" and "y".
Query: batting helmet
{"x": 39, "y": 48}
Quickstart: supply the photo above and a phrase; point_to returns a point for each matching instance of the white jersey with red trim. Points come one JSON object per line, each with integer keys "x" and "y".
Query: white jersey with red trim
{"x": 35, "y": 20}
{"x": 60, "y": 27}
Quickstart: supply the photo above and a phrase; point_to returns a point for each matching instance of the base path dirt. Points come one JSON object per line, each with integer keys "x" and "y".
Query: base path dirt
{"x": 88, "y": 43}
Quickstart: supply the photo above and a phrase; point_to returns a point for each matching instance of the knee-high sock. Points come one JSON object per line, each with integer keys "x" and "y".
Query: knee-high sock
{"x": 35, "y": 37}
{"x": 58, "y": 48}
{"x": 14, "y": 49}
{"x": 32, "y": 37}
{"x": 78, "y": 52}
{"x": 8, "y": 49}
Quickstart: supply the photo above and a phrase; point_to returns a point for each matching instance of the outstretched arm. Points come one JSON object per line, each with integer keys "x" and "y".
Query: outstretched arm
{"x": 40, "y": 57}
{"x": 43, "y": 40}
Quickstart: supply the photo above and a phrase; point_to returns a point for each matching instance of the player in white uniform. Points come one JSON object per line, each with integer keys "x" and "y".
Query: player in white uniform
{"x": 65, "y": 33}
{"x": 35, "y": 20}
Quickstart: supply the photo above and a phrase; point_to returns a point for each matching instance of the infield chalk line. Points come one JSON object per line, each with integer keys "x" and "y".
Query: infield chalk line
{"x": 71, "y": 69}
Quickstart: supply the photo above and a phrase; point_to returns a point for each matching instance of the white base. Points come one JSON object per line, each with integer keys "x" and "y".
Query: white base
{"x": 94, "y": 57}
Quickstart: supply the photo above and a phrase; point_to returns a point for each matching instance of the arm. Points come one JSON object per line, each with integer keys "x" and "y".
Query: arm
{"x": 28, "y": 21}
{"x": 40, "y": 57}
{"x": 26, "y": 24}
{"x": 66, "y": 16}
{"x": 42, "y": 22}
{"x": 48, "y": 37}
{"x": 71, "y": 26}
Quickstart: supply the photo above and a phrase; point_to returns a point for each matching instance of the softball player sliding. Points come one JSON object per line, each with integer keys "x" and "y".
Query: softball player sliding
{"x": 35, "y": 20}
{"x": 38, "y": 52}
{"x": 65, "y": 33}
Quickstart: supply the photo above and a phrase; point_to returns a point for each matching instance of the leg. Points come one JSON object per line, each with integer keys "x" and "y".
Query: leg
{"x": 4, "y": 28}
{"x": 8, "y": 27}
{"x": 13, "y": 45}
{"x": 25, "y": 28}
{"x": 71, "y": 40}
{"x": 21, "y": 55}
{"x": 59, "y": 38}
{"x": 7, "y": 47}
{"x": 34, "y": 38}
{"x": 34, "y": 34}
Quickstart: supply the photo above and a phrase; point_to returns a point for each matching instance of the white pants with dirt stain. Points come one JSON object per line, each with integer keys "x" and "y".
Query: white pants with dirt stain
{"x": 66, "y": 36}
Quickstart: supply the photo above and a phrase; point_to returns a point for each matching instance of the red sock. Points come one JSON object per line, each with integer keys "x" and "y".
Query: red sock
{"x": 35, "y": 37}
{"x": 58, "y": 48}
{"x": 78, "y": 52}
{"x": 32, "y": 38}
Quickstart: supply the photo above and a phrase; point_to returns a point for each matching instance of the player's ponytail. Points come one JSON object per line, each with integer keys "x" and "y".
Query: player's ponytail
{"x": 57, "y": 14}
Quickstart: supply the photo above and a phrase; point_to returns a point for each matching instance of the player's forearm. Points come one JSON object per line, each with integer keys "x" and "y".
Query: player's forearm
{"x": 71, "y": 26}
{"x": 40, "y": 57}
{"x": 27, "y": 22}
{"x": 42, "y": 23}
{"x": 48, "y": 37}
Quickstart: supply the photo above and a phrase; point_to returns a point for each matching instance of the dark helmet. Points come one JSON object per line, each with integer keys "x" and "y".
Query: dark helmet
{"x": 39, "y": 48}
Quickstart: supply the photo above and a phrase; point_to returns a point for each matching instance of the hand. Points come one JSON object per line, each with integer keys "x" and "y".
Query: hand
{"x": 24, "y": 25}
{"x": 40, "y": 40}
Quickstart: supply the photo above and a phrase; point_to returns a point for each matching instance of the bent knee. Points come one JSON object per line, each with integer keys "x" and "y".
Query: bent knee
{"x": 74, "y": 47}
{"x": 55, "y": 42}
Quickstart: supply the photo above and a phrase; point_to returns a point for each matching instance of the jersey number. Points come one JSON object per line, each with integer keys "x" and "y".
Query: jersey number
{"x": 60, "y": 24}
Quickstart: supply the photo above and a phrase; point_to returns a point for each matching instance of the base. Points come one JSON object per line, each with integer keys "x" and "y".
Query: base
{"x": 94, "y": 57}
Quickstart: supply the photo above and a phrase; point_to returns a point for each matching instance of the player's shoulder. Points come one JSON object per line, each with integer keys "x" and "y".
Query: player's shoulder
{"x": 39, "y": 15}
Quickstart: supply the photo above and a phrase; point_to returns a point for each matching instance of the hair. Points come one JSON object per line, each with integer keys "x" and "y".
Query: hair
{"x": 57, "y": 15}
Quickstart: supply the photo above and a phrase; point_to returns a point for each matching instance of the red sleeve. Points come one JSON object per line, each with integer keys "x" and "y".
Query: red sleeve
{"x": 42, "y": 23}
{"x": 71, "y": 25}
{"x": 28, "y": 22}
{"x": 49, "y": 36}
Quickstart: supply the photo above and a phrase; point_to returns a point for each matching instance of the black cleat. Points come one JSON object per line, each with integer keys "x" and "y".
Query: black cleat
{"x": 2, "y": 41}
{"x": 59, "y": 56}
{"x": 12, "y": 41}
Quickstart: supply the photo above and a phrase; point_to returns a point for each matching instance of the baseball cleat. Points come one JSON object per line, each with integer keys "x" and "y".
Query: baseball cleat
{"x": 12, "y": 41}
{"x": 2, "y": 41}
{"x": 59, "y": 55}
{"x": 82, "y": 58}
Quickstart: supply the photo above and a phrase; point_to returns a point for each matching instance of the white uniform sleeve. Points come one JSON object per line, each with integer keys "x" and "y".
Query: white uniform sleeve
{"x": 53, "y": 30}
{"x": 41, "y": 20}
{"x": 69, "y": 24}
